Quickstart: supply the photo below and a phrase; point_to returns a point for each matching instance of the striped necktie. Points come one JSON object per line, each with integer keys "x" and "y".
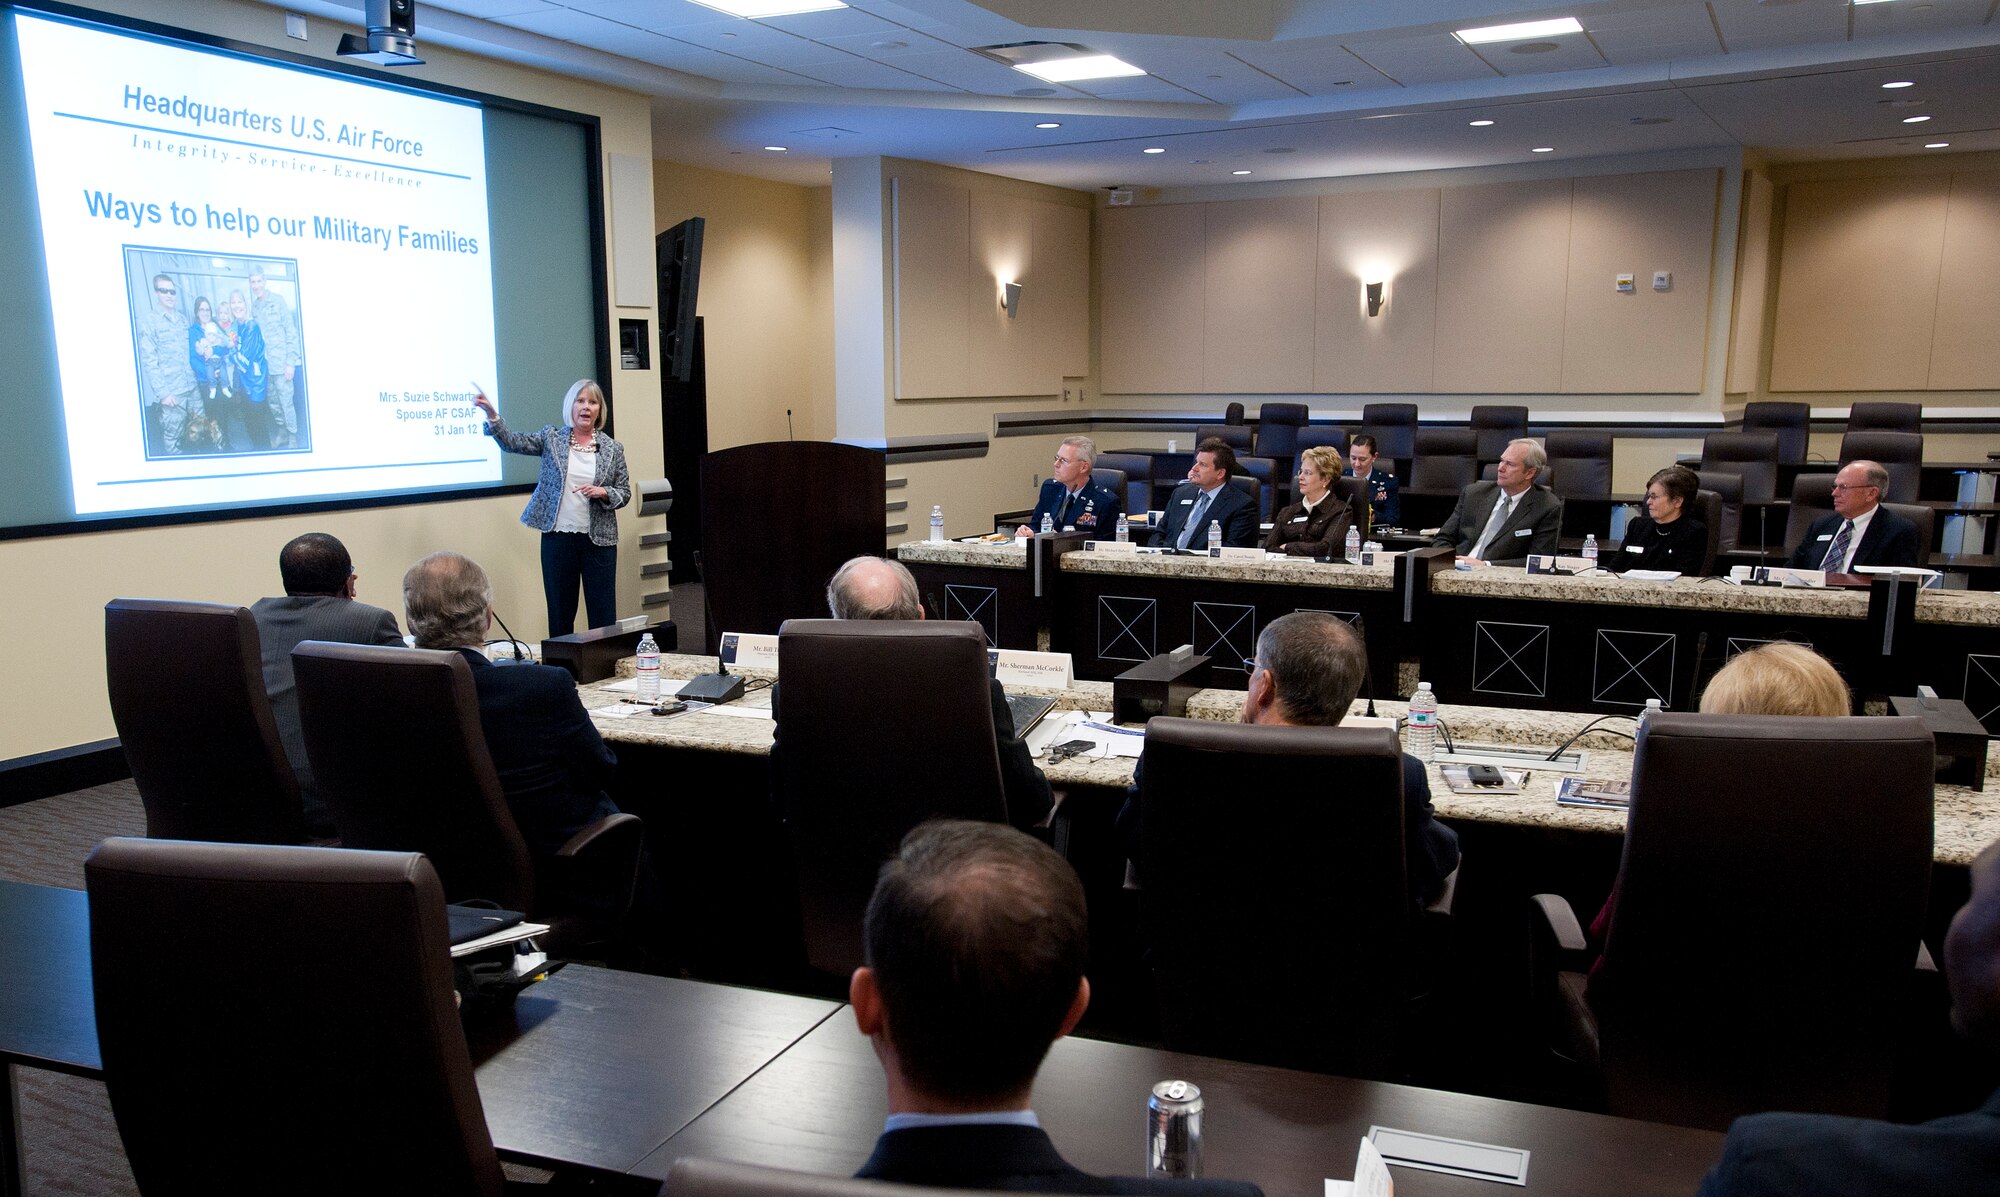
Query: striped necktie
{"x": 1835, "y": 560}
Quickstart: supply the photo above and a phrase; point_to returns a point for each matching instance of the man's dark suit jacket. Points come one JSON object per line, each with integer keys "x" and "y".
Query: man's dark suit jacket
{"x": 553, "y": 765}
{"x": 1018, "y": 1159}
{"x": 1530, "y": 527}
{"x": 1026, "y": 789}
{"x": 1821, "y": 1155}
{"x": 1236, "y": 510}
{"x": 1890, "y": 540}
{"x": 1096, "y": 509}
{"x": 282, "y": 623}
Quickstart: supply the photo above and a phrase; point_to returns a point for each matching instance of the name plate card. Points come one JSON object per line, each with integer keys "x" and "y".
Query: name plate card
{"x": 750, "y": 650}
{"x": 1228, "y": 554}
{"x": 1021, "y": 667}
{"x": 1549, "y": 563}
{"x": 1113, "y": 547}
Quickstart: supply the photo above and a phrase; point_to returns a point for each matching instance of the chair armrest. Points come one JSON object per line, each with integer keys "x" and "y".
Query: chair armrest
{"x": 1559, "y": 923}
{"x": 1559, "y": 961}
{"x": 613, "y": 833}
{"x": 599, "y": 867}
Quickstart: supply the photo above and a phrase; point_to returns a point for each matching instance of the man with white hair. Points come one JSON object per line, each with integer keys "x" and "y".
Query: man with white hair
{"x": 1071, "y": 500}
{"x": 1504, "y": 521}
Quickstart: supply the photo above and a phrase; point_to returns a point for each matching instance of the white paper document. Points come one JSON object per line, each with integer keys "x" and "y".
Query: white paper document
{"x": 1371, "y": 1176}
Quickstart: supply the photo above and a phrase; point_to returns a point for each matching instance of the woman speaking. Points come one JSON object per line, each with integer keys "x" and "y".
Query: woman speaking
{"x": 583, "y": 481}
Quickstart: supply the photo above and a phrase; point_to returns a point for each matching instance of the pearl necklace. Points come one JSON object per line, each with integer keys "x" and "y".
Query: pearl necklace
{"x": 589, "y": 446}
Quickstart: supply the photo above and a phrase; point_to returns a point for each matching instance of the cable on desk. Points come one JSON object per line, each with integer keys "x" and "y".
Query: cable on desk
{"x": 1612, "y": 731}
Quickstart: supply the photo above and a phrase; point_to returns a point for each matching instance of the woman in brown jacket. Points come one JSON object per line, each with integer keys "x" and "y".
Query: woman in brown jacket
{"x": 1317, "y": 525}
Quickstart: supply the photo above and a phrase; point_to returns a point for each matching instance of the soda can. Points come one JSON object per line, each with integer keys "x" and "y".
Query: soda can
{"x": 1173, "y": 1131}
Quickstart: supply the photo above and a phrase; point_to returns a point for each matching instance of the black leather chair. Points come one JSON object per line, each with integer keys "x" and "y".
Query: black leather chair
{"x": 1885, "y": 417}
{"x": 1766, "y": 922}
{"x": 1278, "y": 426}
{"x": 1232, "y": 414}
{"x": 1394, "y": 427}
{"x": 187, "y": 694}
{"x": 1323, "y": 435}
{"x": 1276, "y": 915}
{"x": 1496, "y": 425}
{"x": 1138, "y": 469}
{"x": 1446, "y": 442}
{"x": 855, "y": 775}
{"x": 1118, "y": 482}
{"x": 1926, "y": 521}
{"x": 721, "y": 1178}
{"x": 1791, "y": 423}
{"x": 401, "y": 759}
{"x": 1443, "y": 473}
{"x": 280, "y": 1019}
{"x": 1728, "y": 491}
{"x": 1751, "y": 455}
{"x": 1265, "y": 471}
{"x": 1579, "y": 463}
{"x": 1236, "y": 436}
{"x": 1899, "y": 453}
{"x": 1812, "y": 497}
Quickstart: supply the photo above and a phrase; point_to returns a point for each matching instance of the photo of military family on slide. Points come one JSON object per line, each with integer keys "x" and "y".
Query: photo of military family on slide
{"x": 221, "y": 362}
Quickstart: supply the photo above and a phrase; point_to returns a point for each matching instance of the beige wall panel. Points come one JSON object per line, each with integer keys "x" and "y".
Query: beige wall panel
{"x": 1753, "y": 284}
{"x": 1376, "y": 236}
{"x": 1858, "y": 284}
{"x": 1647, "y": 341}
{"x": 1502, "y": 249}
{"x": 1059, "y": 307}
{"x": 1966, "y": 352}
{"x": 933, "y": 275}
{"x": 1150, "y": 301}
{"x": 1258, "y": 328}
{"x": 1000, "y": 352}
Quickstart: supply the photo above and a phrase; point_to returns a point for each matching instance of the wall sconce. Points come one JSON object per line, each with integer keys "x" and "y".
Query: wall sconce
{"x": 1374, "y": 293}
{"x": 1010, "y": 298}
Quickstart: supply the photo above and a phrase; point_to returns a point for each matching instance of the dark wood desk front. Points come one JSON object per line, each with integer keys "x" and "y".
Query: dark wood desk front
{"x": 819, "y": 1108}
{"x": 47, "y": 1017}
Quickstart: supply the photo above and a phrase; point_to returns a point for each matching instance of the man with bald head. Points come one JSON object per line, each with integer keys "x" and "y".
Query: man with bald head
{"x": 877, "y": 588}
{"x": 1860, "y": 531}
{"x": 1820, "y": 1155}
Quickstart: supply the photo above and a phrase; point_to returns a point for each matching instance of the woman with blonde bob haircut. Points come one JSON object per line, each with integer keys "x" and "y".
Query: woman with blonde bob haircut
{"x": 1777, "y": 679}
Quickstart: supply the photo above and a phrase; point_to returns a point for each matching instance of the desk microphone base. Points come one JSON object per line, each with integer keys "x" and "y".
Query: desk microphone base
{"x": 711, "y": 688}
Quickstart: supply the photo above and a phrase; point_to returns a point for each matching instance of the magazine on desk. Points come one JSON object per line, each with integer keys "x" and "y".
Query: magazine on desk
{"x": 1579, "y": 791}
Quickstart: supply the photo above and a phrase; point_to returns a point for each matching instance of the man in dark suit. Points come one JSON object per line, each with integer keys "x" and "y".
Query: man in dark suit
{"x": 877, "y": 588}
{"x": 1308, "y": 669}
{"x": 553, "y": 765}
{"x": 1820, "y": 1155}
{"x": 1860, "y": 531}
{"x": 1504, "y": 521}
{"x": 1072, "y": 500}
{"x": 319, "y": 604}
{"x": 976, "y": 940}
{"x": 1206, "y": 498}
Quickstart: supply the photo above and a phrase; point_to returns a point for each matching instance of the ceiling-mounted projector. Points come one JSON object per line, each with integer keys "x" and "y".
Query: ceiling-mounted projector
{"x": 391, "y": 40}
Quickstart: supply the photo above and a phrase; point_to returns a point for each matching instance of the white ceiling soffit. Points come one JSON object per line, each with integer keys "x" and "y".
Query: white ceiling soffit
{"x": 1364, "y": 85}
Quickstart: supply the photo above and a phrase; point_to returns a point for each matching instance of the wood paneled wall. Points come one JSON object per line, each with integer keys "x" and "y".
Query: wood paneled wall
{"x": 1495, "y": 288}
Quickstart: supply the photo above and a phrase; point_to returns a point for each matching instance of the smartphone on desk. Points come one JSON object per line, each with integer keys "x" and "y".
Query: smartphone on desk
{"x": 1485, "y": 775}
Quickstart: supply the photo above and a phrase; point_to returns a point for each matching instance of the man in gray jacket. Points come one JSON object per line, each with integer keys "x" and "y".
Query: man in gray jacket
{"x": 318, "y": 605}
{"x": 163, "y": 360}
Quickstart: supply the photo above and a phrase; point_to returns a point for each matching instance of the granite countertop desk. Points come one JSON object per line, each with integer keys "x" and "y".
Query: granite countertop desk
{"x": 1007, "y": 554}
{"x": 1288, "y": 571}
{"x": 1712, "y": 594}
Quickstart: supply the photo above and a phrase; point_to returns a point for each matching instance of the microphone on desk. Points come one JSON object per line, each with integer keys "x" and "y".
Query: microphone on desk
{"x": 518, "y": 658}
{"x": 1700, "y": 651}
{"x": 721, "y": 686}
{"x": 788, "y": 424}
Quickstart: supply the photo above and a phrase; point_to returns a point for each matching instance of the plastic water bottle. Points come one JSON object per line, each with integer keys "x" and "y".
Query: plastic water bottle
{"x": 1214, "y": 536}
{"x": 1124, "y": 532}
{"x": 1353, "y": 543}
{"x": 1420, "y": 732}
{"x": 649, "y": 670}
{"x": 1652, "y": 708}
{"x": 1048, "y": 522}
{"x": 937, "y": 524}
{"x": 1590, "y": 550}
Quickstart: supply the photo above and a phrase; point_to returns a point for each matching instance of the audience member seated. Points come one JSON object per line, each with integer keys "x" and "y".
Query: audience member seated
{"x": 976, "y": 940}
{"x": 552, "y": 764}
{"x": 1780, "y": 678}
{"x": 1207, "y": 498}
{"x": 877, "y": 588}
{"x": 1666, "y": 537}
{"x": 1385, "y": 498}
{"x": 1505, "y": 521}
{"x": 1820, "y": 1155}
{"x": 318, "y": 605}
{"x": 1308, "y": 669}
{"x": 1316, "y": 526}
{"x": 1860, "y": 531}
{"x": 1071, "y": 499}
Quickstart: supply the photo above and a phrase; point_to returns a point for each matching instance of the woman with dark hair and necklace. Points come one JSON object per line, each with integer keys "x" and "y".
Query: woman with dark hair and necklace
{"x": 583, "y": 483}
{"x": 1666, "y": 537}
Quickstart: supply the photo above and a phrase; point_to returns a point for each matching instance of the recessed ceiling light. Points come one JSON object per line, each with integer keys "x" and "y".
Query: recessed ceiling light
{"x": 1936, "y": 145}
{"x": 1860, "y": 2}
{"x": 1543, "y": 149}
{"x": 1049, "y": 125}
{"x": 1034, "y": 93}
{"x": 769, "y": 8}
{"x": 1239, "y": 172}
{"x": 1519, "y": 32}
{"x": 776, "y": 149}
{"x": 1915, "y": 120}
{"x": 1899, "y": 83}
{"x": 1085, "y": 66}
{"x": 1153, "y": 149}
{"x": 1479, "y": 124}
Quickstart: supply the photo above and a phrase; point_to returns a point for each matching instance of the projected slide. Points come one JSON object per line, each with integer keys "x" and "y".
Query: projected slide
{"x": 267, "y": 283}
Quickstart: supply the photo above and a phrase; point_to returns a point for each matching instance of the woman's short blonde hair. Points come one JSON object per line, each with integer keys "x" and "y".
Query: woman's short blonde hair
{"x": 1777, "y": 679}
{"x": 580, "y": 387}
{"x": 1326, "y": 460}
